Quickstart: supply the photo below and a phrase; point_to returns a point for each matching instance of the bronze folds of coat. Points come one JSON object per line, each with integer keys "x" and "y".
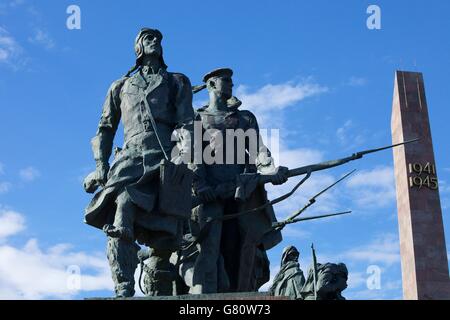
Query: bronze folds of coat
{"x": 136, "y": 168}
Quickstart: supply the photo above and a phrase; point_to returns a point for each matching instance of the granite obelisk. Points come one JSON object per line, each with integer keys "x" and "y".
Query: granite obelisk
{"x": 425, "y": 272}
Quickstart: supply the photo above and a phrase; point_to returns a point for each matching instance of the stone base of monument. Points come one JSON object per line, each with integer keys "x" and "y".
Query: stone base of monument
{"x": 211, "y": 296}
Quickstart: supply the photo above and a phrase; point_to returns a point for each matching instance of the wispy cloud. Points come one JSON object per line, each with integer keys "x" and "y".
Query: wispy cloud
{"x": 382, "y": 294}
{"x": 347, "y": 136}
{"x": 29, "y": 174}
{"x": 10, "y": 50}
{"x": 42, "y": 38}
{"x": 267, "y": 101}
{"x": 295, "y": 233}
{"x": 292, "y": 158}
{"x": 444, "y": 187}
{"x": 356, "y": 279}
{"x": 390, "y": 289}
{"x": 327, "y": 203}
{"x": 4, "y": 6}
{"x": 4, "y": 186}
{"x": 373, "y": 188}
{"x": 356, "y": 81}
{"x": 384, "y": 250}
{"x": 278, "y": 96}
{"x": 341, "y": 132}
{"x": 11, "y": 223}
{"x": 16, "y": 3}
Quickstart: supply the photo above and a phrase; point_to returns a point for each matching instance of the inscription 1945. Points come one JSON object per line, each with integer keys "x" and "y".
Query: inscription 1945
{"x": 423, "y": 176}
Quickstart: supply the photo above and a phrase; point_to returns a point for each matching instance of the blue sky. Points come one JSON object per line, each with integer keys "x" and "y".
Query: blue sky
{"x": 311, "y": 69}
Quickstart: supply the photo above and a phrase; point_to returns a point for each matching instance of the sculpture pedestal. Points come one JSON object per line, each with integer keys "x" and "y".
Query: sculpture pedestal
{"x": 212, "y": 296}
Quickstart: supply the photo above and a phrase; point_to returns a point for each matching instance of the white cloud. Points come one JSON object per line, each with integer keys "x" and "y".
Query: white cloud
{"x": 444, "y": 187}
{"x": 42, "y": 38}
{"x": 374, "y": 188}
{"x": 379, "y": 177}
{"x": 326, "y": 203}
{"x": 384, "y": 250}
{"x": 347, "y": 136}
{"x": 16, "y": 3}
{"x": 356, "y": 81}
{"x": 356, "y": 279}
{"x": 278, "y": 96}
{"x": 29, "y": 174}
{"x": 4, "y": 6}
{"x": 368, "y": 294}
{"x": 10, "y": 50}
{"x": 341, "y": 132}
{"x": 4, "y": 187}
{"x": 29, "y": 272}
{"x": 296, "y": 233}
{"x": 267, "y": 101}
{"x": 11, "y": 223}
{"x": 389, "y": 290}
{"x": 293, "y": 158}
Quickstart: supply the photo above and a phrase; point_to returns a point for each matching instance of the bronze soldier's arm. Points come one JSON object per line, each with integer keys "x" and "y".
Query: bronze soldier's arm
{"x": 264, "y": 161}
{"x": 199, "y": 185}
{"x": 183, "y": 101}
{"x": 103, "y": 141}
{"x": 186, "y": 139}
{"x": 184, "y": 117}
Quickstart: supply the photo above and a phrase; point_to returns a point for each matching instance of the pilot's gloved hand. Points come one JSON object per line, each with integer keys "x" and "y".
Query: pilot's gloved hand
{"x": 280, "y": 176}
{"x": 101, "y": 172}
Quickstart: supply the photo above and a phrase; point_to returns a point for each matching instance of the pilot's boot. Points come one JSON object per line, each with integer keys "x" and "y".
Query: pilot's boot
{"x": 123, "y": 260}
{"x": 160, "y": 274}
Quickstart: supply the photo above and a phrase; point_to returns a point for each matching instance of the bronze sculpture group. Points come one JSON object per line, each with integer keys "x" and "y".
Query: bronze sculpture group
{"x": 208, "y": 224}
{"x": 323, "y": 282}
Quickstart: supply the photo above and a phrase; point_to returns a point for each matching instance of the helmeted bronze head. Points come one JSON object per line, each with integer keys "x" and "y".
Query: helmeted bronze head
{"x": 139, "y": 48}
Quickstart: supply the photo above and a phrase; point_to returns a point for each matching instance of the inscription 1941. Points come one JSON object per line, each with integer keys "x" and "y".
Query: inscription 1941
{"x": 423, "y": 176}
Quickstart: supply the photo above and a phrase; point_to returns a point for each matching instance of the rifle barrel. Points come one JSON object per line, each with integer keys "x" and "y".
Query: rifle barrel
{"x": 263, "y": 179}
{"x": 332, "y": 163}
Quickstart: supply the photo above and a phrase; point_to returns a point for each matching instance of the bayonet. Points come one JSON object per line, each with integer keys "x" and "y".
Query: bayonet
{"x": 280, "y": 225}
{"x": 313, "y": 199}
{"x": 313, "y": 252}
